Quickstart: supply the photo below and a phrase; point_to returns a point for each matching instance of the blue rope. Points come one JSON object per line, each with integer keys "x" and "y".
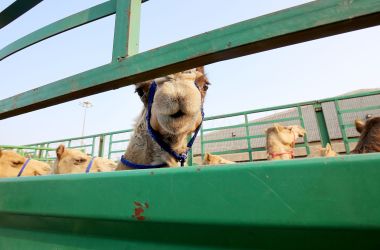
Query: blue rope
{"x": 23, "y": 167}
{"x": 140, "y": 166}
{"x": 90, "y": 165}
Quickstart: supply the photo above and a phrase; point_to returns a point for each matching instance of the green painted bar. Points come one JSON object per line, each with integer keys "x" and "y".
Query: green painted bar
{"x": 294, "y": 25}
{"x": 359, "y": 109}
{"x": 306, "y": 141}
{"x": 250, "y": 124}
{"x": 84, "y": 17}
{"x": 25, "y": 147}
{"x": 322, "y": 126}
{"x": 15, "y": 10}
{"x": 331, "y": 99}
{"x": 247, "y": 136}
{"x": 119, "y": 141}
{"x": 127, "y": 29}
{"x": 202, "y": 144}
{"x": 342, "y": 128}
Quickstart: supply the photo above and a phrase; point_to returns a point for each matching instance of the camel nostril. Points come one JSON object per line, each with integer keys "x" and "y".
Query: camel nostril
{"x": 178, "y": 114}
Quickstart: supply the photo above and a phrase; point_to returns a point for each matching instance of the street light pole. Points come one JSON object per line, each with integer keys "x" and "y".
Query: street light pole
{"x": 85, "y": 105}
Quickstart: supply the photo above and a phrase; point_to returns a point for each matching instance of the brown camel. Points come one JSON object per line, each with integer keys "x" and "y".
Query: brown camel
{"x": 13, "y": 164}
{"x": 327, "y": 151}
{"x": 71, "y": 161}
{"x": 369, "y": 140}
{"x": 172, "y": 112}
{"x": 281, "y": 141}
{"x": 215, "y": 160}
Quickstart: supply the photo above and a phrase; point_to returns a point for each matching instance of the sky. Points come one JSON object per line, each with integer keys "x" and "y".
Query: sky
{"x": 307, "y": 71}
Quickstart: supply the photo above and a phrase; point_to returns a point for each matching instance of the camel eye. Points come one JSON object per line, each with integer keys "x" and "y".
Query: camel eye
{"x": 80, "y": 160}
{"x": 140, "y": 92}
{"x": 16, "y": 163}
{"x": 205, "y": 87}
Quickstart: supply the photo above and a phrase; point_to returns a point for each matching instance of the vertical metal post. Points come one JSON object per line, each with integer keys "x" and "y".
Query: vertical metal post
{"x": 303, "y": 125}
{"x": 101, "y": 146}
{"x": 342, "y": 128}
{"x": 190, "y": 154}
{"x": 323, "y": 132}
{"x": 93, "y": 146}
{"x": 202, "y": 145}
{"x": 47, "y": 151}
{"x": 127, "y": 29}
{"x": 110, "y": 147}
{"x": 248, "y": 139}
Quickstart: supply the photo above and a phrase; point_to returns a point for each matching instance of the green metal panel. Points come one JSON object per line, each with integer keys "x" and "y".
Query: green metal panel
{"x": 127, "y": 29}
{"x": 322, "y": 127}
{"x": 342, "y": 128}
{"x": 68, "y": 23}
{"x": 298, "y": 24}
{"x": 15, "y": 10}
{"x": 319, "y": 203}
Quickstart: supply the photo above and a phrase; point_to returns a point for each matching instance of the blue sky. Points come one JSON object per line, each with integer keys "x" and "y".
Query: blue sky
{"x": 307, "y": 71}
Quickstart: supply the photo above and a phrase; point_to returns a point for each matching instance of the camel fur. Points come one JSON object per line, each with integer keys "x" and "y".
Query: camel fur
{"x": 74, "y": 161}
{"x": 210, "y": 159}
{"x": 12, "y": 162}
{"x": 281, "y": 141}
{"x": 327, "y": 151}
{"x": 176, "y": 113}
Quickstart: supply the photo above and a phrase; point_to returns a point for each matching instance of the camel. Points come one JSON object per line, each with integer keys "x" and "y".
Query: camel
{"x": 215, "y": 160}
{"x": 173, "y": 110}
{"x": 369, "y": 140}
{"x": 13, "y": 164}
{"x": 70, "y": 161}
{"x": 281, "y": 141}
{"x": 327, "y": 151}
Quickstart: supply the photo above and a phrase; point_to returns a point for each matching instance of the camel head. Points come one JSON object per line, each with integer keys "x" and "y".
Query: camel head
{"x": 215, "y": 159}
{"x": 177, "y": 102}
{"x": 369, "y": 140}
{"x": 70, "y": 161}
{"x": 287, "y": 135}
{"x": 327, "y": 151}
{"x": 11, "y": 164}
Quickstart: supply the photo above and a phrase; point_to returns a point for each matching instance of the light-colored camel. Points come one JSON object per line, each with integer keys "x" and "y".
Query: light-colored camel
{"x": 12, "y": 165}
{"x": 281, "y": 141}
{"x": 176, "y": 112}
{"x": 327, "y": 151}
{"x": 70, "y": 161}
{"x": 369, "y": 141}
{"x": 210, "y": 159}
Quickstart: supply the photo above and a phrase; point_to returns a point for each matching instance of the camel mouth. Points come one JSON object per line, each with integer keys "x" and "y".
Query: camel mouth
{"x": 178, "y": 114}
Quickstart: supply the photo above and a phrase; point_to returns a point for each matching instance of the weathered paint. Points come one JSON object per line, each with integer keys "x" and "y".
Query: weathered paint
{"x": 306, "y": 203}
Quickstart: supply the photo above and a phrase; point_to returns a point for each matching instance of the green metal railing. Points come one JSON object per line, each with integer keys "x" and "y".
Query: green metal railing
{"x": 299, "y": 119}
{"x": 108, "y": 144}
{"x": 34, "y": 152}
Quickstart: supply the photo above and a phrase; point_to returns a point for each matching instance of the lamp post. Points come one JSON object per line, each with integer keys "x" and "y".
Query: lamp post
{"x": 86, "y": 105}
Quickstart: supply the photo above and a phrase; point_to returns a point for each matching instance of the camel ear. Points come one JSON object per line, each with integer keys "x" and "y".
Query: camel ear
{"x": 207, "y": 156}
{"x": 60, "y": 150}
{"x": 142, "y": 89}
{"x": 359, "y": 124}
{"x": 278, "y": 127}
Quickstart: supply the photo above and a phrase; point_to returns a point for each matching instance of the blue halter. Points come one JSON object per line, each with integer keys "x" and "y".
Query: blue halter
{"x": 23, "y": 167}
{"x": 90, "y": 165}
{"x": 157, "y": 137}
